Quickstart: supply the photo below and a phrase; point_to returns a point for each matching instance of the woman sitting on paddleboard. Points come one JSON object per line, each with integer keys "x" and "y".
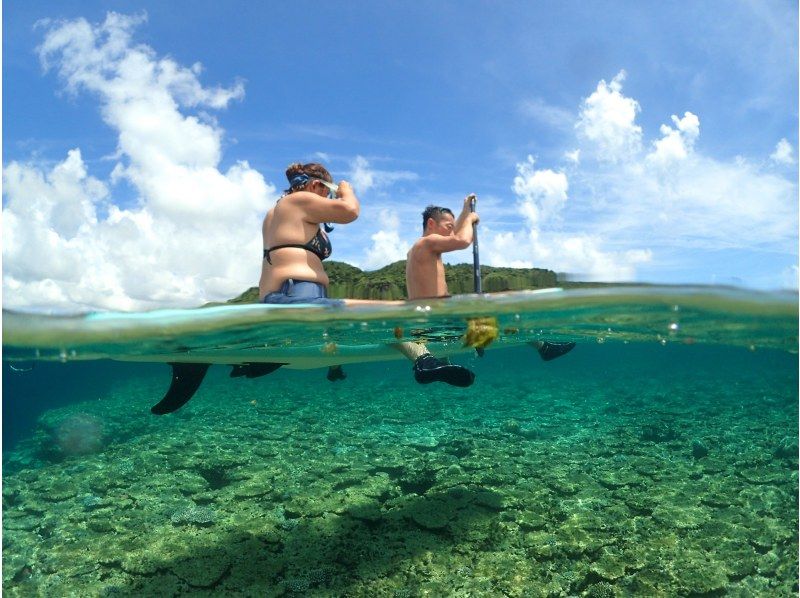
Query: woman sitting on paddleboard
{"x": 295, "y": 236}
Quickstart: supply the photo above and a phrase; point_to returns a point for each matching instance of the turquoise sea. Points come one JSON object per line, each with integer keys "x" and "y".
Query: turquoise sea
{"x": 658, "y": 458}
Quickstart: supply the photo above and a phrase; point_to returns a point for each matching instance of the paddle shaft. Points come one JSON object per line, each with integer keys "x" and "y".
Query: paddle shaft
{"x": 476, "y": 260}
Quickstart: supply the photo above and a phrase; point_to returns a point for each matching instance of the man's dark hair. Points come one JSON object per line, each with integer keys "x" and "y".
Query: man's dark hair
{"x": 434, "y": 212}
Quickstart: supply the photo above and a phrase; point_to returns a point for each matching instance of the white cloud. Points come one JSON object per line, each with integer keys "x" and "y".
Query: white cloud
{"x": 581, "y": 255}
{"x": 784, "y": 153}
{"x": 542, "y": 193}
{"x": 365, "y": 178}
{"x": 622, "y": 209}
{"x": 675, "y": 144}
{"x": 387, "y": 246}
{"x": 698, "y": 202}
{"x": 193, "y": 235}
{"x": 503, "y": 249}
{"x": 551, "y": 115}
{"x": 673, "y": 201}
{"x": 607, "y": 122}
{"x": 542, "y": 196}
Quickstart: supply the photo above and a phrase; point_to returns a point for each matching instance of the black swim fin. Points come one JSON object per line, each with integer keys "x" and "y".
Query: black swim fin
{"x": 550, "y": 350}
{"x": 186, "y": 379}
{"x": 428, "y": 368}
{"x": 254, "y": 370}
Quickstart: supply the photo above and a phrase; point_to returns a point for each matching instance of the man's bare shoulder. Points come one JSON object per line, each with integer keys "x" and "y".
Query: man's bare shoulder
{"x": 419, "y": 246}
{"x": 429, "y": 243}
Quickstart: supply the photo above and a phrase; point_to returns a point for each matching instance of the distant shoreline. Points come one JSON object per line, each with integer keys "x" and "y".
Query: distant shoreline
{"x": 389, "y": 282}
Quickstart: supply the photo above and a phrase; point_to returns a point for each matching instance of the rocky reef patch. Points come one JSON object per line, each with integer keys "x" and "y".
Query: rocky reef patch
{"x": 569, "y": 486}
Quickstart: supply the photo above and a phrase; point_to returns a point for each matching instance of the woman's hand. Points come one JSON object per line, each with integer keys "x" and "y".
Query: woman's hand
{"x": 344, "y": 187}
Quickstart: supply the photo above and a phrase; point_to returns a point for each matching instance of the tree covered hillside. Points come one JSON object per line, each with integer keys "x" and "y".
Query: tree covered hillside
{"x": 349, "y": 282}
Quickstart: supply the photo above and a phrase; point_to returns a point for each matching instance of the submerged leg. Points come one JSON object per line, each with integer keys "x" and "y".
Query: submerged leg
{"x": 548, "y": 350}
{"x": 428, "y": 368}
{"x": 186, "y": 379}
{"x": 254, "y": 370}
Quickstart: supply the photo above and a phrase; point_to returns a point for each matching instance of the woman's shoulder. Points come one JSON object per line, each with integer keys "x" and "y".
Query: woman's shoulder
{"x": 299, "y": 197}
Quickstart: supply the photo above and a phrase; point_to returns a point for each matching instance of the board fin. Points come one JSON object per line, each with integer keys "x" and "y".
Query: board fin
{"x": 548, "y": 350}
{"x": 186, "y": 379}
{"x": 254, "y": 370}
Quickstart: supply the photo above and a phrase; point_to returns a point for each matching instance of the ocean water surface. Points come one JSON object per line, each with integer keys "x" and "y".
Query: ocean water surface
{"x": 658, "y": 458}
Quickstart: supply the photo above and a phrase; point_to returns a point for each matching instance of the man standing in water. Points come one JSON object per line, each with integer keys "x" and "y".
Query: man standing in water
{"x": 441, "y": 232}
{"x": 425, "y": 279}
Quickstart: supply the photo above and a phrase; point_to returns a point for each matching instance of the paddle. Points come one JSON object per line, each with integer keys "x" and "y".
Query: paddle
{"x": 476, "y": 261}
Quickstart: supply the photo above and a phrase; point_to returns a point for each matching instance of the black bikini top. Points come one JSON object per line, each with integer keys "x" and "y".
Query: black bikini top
{"x": 319, "y": 245}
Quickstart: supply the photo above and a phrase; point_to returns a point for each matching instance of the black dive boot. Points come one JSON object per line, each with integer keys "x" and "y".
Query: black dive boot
{"x": 428, "y": 368}
{"x": 335, "y": 373}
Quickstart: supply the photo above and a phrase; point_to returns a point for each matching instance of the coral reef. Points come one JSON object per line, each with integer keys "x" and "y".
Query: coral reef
{"x": 552, "y": 485}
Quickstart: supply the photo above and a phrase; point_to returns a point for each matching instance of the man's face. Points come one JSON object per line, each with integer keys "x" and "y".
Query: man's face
{"x": 445, "y": 227}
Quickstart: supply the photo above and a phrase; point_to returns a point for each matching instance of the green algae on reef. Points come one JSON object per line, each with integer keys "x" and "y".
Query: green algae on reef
{"x": 573, "y": 480}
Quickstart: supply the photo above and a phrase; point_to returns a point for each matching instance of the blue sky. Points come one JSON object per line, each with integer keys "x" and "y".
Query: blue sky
{"x": 638, "y": 141}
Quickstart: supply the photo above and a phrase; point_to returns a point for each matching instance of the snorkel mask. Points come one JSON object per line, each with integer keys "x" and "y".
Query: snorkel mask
{"x": 331, "y": 195}
{"x": 331, "y": 188}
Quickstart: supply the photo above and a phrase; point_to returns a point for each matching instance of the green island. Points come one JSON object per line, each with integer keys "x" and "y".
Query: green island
{"x": 389, "y": 283}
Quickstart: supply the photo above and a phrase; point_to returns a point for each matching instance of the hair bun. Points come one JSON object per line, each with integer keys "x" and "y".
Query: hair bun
{"x": 294, "y": 169}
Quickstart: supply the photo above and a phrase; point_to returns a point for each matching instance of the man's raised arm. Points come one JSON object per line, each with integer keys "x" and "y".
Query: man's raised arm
{"x": 463, "y": 217}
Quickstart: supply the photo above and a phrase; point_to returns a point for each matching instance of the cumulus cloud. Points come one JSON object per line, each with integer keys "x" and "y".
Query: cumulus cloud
{"x": 675, "y": 197}
{"x": 607, "y": 122}
{"x": 784, "y": 153}
{"x": 675, "y": 144}
{"x": 387, "y": 246}
{"x": 542, "y": 195}
{"x": 67, "y": 245}
{"x": 366, "y": 178}
{"x": 623, "y": 207}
